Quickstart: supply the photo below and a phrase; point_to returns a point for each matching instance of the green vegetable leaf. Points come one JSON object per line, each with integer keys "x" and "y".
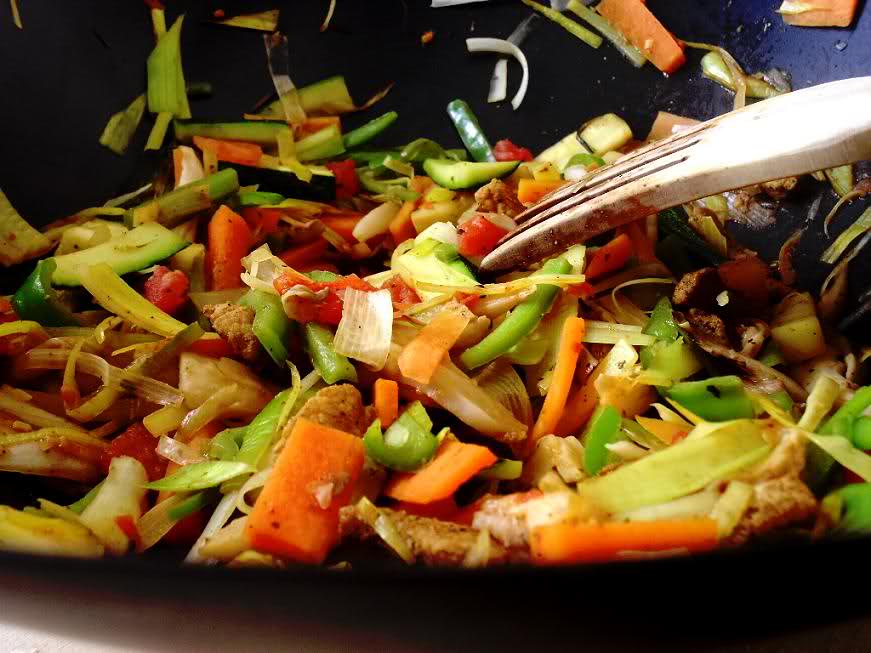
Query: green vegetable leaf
{"x": 199, "y": 476}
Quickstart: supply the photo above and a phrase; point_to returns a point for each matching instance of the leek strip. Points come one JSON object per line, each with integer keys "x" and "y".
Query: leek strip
{"x": 200, "y": 476}
{"x": 16, "y": 14}
{"x": 731, "y": 506}
{"x": 223, "y": 511}
{"x": 122, "y": 126}
{"x": 841, "y": 201}
{"x": 52, "y": 433}
{"x": 633, "y": 54}
{"x": 262, "y": 21}
{"x": 532, "y": 281}
{"x": 681, "y": 469}
{"x": 819, "y": 402}
{"x": 112, "y": 293}
{"x": 167, "y": 91}
{"x": 156, "y": 523}
{"x": 158, "y": 22}
{"x": 840, "y": 448}
{"x": 842, "y": 242}
{"x": 31, "y": 414}
{"x": 384, "y": 527}
{"x": 590, "y": 38}
{"x": 158, "y": 131}
{"x": 500, "y": 46}
{"x": 278, "y": 59}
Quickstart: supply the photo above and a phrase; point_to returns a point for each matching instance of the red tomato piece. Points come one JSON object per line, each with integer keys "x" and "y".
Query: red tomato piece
{"x": 401, "y": 292}
{"x": 167, "y": 289}
{"x": 187, "y": 529}
{"x": 136, "y": 442}
{"x": 212, "y": 347}
{"x": 262, "y": 221}
{"x": 327, "y": 310}
{"x": 479, "y": 236}
{"x": 347, "y": 182}
{"x": 505, "y": 150}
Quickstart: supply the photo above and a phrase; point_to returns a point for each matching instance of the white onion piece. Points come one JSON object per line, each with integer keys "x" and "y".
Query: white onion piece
{"x": 178, "y": 452}
{"x": 375, "y": 222}
{"x": 501, "y": 46}
{"x": 500, "y": 220}
{"x": 140, "y": 386}
{"x": 366, "y": 327}
{"x": 444, "y": 232}
{"x": 223, "y": 511}
{"x": 575, "y": 173}
{"x": 499, "y": 82}
{"x": 191, "y": 168}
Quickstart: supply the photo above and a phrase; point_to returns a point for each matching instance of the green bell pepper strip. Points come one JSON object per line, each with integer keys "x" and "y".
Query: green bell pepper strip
{"x": 190, "y": 505}
{"x": 332, "y": 367}
{"x": 258, "y": 198}
{"x": 260, "y": 433}
{"x": 470, "y": 131}
{"x": 271, "y": 324}
{"x": 365, "y": 133}
{"x": 661, "y": 324}
{"x": 862, "y": 432}
{"x": 605, "y": 427}
{"x": 36, "y": 299}
{"x": 520, "y": 322}
{"x": 225, "y": 445}
{"x": 855, "y": 507}
{"x": 384, "y": 187}
{"x": 819, "y": 464}
{"x": 717, "y": 399}
{"x": 504, "y": 470}
{"x": 79, "y": 506}
{"x": 407, "y": 444}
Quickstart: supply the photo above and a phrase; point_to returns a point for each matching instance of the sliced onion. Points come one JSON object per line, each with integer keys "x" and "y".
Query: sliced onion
{"x": 498, "y": 82}
{"x": 444, "y": 232}
{"x": 114, "y": 377}
{"x": 366, "y": 327}
{"x": 254, "y": 482}
{"x": 375, "y": 222}
{"x": 156, "y": 523}
{"x": 501, "y": 381}
{"x": 178, "y": 452}
{"x": 501, "y": 46}
{"x": 261, "y": 269}
{"x": 278, "y": 58}
{"x": 223, "y": 511}
{"x": 500, "y": 220}
{"x": 188, "y": 166}
{"x": 215, "y": 407}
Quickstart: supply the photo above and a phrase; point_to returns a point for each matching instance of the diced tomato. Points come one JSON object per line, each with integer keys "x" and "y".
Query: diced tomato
{"x": 347, "y": 182}
{"x": 7, "y": 313}
{"x": 262, "y": 221}
{"x": 505, "y": 150}
{"x": 137, "y": 443}
{"x": 479, "y": 236}
{"x": 327, "y": 310}
{"x": 401, "y": 292}
{"x": 212, "y": 347}
{"x": 466, "y": 299}
{"x": 128, "y": 526}
{"x": 187, "y": 530}
{"x": 582, "y": 290}
{"x": 167, "y": 289}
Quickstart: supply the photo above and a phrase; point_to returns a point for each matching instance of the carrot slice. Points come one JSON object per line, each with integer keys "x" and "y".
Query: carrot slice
{"x": 667, "y": 124}
{"x": 454, "y": 464}
{"x": 567, "y": 359}
{"x": 643, "y": 246}
{"x": 529, "y": 191}
{"x": 386, "y": 401}
{"x": 246, "y": 154}
{"x": 296, "y": 515}
{"x": 668, "y": 432}
{"x": 594, "y": 542}
{"x": 342, "y": 223}
{"x": 825, "y": 13}
{"x": 609, "y": 258}
{"x": 401, "y": 227}
{"x": 645, "y": 32}
{"x": 229, "y": 241}
{"x": 311, "y": 125}
{"x": 305, "y": 253}
{"x": 421, "y": 357}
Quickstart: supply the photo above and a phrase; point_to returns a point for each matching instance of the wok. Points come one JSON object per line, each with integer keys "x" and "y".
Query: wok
{"x": 75, "y": 63}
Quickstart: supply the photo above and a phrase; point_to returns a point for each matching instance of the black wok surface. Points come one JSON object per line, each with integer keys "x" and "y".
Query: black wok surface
{"x": 78, "y": 61}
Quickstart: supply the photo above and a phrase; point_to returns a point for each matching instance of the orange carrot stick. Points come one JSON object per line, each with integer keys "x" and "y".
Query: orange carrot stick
{"x": 311, "y": 125}
{"x": 342, "y": 223}
{"x": 302, "y": 254}
{"x": 644, "y": 249}
{"x": 421, "y": 357}
{"x": 401, "y": 227}
{"x": 609, "y": 258}
{"x": 580, "y": 405}
{"x": 454, "y": 464}
{"x": 567, "y": 359}
{"x": 530, "y": 191}
{"x": 386, "y": 401}
{"x": 593, "y": 542}
{"x": 645, "y": 32}
{"x": 296, "y": 515}
{"x": 229, "y": 242}
{"x": 667, "y": 124}
{"x": 247, "y": 154}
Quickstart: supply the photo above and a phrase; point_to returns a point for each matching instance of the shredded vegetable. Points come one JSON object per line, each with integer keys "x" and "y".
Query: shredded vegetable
{"x": 500, "y": 46}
